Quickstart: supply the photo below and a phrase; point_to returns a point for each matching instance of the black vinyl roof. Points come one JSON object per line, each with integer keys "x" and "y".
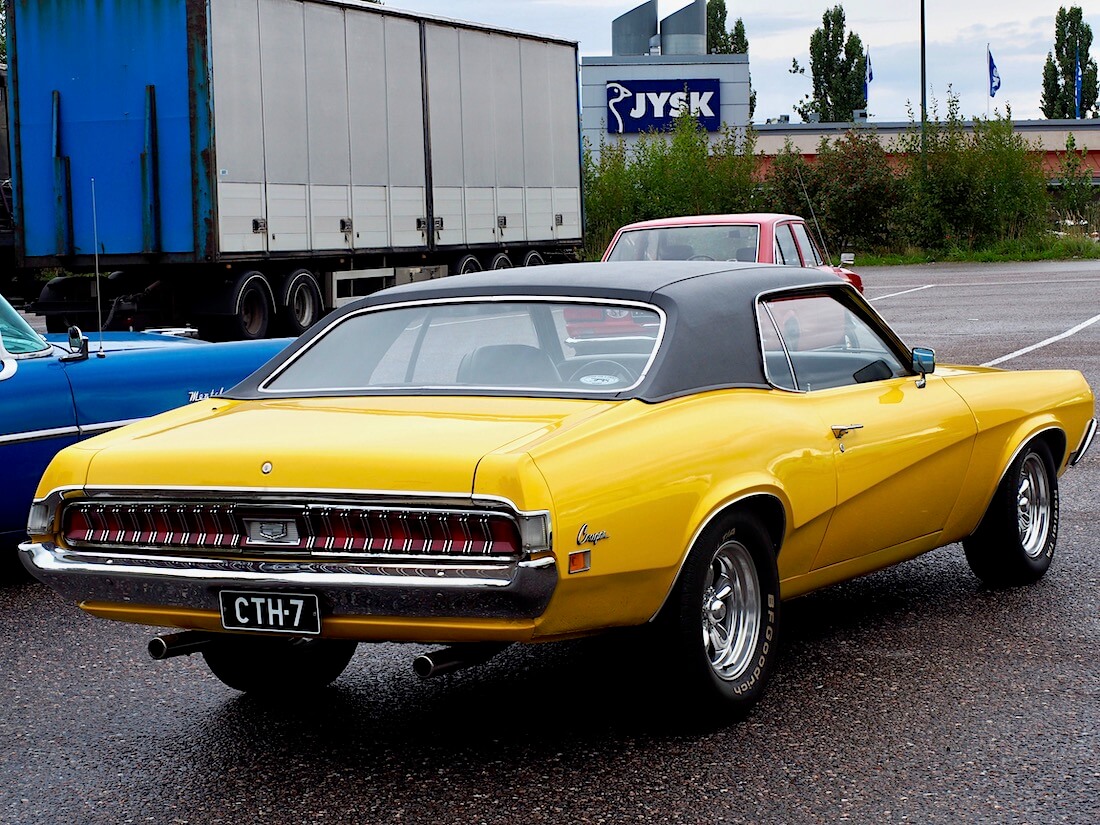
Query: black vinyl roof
{"x": 711, "y": 338}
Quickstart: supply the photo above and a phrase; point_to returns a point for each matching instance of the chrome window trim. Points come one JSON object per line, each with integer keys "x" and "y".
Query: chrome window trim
{"x": 786, "y": 354}
{"x": 473, "y": 389}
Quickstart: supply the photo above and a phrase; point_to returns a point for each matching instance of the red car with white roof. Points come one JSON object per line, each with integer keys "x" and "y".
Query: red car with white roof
{"x": 764, "y": 237}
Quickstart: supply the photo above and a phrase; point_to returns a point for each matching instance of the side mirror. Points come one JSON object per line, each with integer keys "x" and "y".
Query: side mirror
{"x": 924, "y": 362}
{"x": 78, "y": 346}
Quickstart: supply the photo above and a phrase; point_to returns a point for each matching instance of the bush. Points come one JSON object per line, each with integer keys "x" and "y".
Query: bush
{"x": 858, "y": 192}
{"x": 952, "y": 190}
{"x": 666, "y": 173}
{"x": 1075, "y": 201}
{"x": 969, "y": 190}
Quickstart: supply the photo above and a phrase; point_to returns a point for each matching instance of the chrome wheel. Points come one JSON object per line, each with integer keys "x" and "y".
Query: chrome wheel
{"x": 1033, "y": 505}
{"x": 1015, "y": 540}
{"x": 731, "y": 610}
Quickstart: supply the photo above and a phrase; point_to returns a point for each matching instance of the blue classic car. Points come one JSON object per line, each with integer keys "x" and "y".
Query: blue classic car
{"x": 54, "y": 393}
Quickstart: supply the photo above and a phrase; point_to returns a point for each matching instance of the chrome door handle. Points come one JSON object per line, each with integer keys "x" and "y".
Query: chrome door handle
{"x": 841, "y": 430}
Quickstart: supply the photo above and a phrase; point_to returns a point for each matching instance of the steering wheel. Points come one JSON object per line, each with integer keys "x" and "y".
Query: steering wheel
{"x": 700, "y": 258}
{"x": 603, "y": 373}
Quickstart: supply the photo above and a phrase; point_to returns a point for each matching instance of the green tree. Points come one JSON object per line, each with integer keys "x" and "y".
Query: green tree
{"x": 3, "y": 35}
{"x": 1072, "y": 39}
{"x": 739, "y": 44}
{"x": 723, "y": 41}
{"x": 1075, "y": 179}
{"x": 718, "y": 38}
{"x": 837, "y": 66}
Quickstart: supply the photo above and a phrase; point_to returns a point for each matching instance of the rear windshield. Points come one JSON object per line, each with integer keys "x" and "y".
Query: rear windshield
{"x": 463, "y": 347}
{"x": 687, "y": 243}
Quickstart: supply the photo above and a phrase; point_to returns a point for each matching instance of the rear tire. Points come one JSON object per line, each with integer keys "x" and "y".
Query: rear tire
{"x": 533, "y": 258}
{"x": 253, "y": 308}
{"x": 501, "y": 261}
{"x": 465, "y": 265}
{"x": 721, "y": 623}
{"x": 277, "y": 665}
{"x": 1014, "y": 543}
{"x": 301, "y": 306}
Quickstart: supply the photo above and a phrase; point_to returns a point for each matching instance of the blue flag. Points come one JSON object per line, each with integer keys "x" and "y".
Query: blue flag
{"x": 994, "y": 75}
{"x": 868, "y": 76}
{"x": 1077, "y": 88}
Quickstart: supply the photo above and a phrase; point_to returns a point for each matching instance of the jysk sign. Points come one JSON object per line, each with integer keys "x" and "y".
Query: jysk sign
{"x": 642, "y": 105}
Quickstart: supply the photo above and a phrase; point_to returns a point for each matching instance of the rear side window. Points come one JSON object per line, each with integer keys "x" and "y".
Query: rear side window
{"x": 788, "y": 249}
{"x": 809, "y": 248}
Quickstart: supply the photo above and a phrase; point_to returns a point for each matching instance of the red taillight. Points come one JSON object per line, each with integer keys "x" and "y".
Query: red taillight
{"x": 324, "y": 530}
{"x": 400, "y": 532}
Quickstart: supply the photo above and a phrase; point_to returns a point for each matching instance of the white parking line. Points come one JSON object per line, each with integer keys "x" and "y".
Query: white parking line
{"x": 1041, "y": 344}
{"x": 903, "y": 292}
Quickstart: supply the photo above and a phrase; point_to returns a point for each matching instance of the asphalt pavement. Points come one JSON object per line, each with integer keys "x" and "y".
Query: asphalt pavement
{"x": 911, "y": 695}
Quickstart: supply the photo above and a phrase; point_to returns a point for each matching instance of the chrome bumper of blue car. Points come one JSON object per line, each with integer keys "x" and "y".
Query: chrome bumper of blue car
{"x": 489, "y": 591}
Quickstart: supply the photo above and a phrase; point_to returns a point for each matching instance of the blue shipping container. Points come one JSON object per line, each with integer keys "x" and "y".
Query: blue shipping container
{"x": 104, "y": 92}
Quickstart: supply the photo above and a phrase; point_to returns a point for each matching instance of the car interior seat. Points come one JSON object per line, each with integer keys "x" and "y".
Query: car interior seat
{"x": 508, "y": 365}
{"x": 676, "y": 252}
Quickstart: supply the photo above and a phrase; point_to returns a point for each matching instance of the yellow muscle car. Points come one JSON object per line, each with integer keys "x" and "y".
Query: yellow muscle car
{"x": 454, "y": 462}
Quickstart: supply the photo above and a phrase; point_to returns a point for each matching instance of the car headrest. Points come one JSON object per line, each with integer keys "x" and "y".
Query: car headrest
{"x": 508, "y": 365}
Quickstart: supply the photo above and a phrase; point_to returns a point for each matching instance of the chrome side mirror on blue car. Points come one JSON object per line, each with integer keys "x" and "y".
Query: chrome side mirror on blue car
{"x": 78, "y": 346}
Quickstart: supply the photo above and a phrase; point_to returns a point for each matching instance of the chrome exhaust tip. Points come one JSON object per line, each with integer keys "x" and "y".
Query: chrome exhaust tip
{"x": 184, "y": 643}
{"x": 457, "y": 657}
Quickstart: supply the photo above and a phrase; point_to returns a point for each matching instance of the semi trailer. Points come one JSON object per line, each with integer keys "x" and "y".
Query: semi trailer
{"x": 247, "y": 165}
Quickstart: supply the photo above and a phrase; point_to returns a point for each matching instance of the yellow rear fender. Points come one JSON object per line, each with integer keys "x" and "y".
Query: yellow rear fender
{"x": 768, "y": 503}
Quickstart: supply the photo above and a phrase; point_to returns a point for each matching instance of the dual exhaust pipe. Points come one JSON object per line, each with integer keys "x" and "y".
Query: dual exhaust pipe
{"x": 426, "y": 665}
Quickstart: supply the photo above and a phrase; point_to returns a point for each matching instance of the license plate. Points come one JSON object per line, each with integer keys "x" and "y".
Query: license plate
{"x": 270, "y": 612}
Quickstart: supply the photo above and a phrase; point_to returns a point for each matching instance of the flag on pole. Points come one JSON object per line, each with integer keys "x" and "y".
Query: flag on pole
{"x": 868, "y": 76}
{"x": 1077, "y": 87}
{"x": 994, "y": 75}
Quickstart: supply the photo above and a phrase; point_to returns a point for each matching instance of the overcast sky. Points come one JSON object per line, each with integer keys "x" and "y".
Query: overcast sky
{"x": 1019, "y": 34}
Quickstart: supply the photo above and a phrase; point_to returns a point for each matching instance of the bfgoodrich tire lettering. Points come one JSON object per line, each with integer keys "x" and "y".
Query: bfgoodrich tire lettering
{"x": 722, "y": 621}
{"x": 277, "y": 665}
{"x": 1014, "y": 543}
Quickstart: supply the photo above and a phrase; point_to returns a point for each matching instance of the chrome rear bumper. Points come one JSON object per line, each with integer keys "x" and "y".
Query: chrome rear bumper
{"x": 1086, "y": 442}
{"x": 488, "y": 591}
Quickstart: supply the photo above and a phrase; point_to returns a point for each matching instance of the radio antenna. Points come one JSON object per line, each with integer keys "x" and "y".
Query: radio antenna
{"x": 98, "y": 290}
{"x": 813, "y": 217}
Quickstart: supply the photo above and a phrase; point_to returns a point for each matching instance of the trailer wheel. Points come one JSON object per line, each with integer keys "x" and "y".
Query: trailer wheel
{"x": 501, "y": 261}
{"x": 533, "y": 258}
{"x": 253, "y": 306}
{"x": 465, "y": 265}
{"x": 301, "y": 304}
